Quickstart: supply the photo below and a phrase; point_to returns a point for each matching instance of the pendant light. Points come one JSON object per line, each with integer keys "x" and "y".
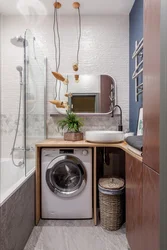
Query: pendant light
{"x": 56, "y": 74}
{"x": 67, "y": 94}
{"x": 76, "y": 5}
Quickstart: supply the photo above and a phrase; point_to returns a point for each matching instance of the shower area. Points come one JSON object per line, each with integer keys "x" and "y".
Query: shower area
{"x": 24, "y": 123}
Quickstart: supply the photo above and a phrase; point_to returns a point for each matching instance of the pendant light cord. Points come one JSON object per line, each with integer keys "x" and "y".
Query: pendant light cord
{"x": 67, "y": 84}
{"x": 54, "y": 32}
{"x": 58, "y": 36}
{"x": 57, "y": 50}
{"x": 79, "y": 37}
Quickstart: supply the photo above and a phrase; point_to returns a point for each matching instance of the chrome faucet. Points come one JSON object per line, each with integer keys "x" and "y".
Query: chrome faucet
{"x": 120, "y": 126}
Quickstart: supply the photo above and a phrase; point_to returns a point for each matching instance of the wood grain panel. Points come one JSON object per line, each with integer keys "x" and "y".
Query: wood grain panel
{"x": 151, "y": 95}
{"x": 134, "y": 202}
{"x": 56, "y": 143}
{"x": 105, "y": 90}
{"x": 94, "y": 187}
{"x": 38, "y": 185}
{"x": 151, "y": 227}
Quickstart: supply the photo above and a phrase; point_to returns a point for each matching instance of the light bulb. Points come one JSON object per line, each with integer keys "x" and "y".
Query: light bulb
{"x": 57, "y": 5}
{"x": 76, "y": 78}
{"x": 68, "y": 95}
{"x": 75, "y": 67}
{"x": 76, "y": 5}
{"x": 66, "y": 81}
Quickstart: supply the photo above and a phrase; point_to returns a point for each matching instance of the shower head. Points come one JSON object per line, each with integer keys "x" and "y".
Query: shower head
{"x": 19, "y": 68}
{"x": 19, "y": 41}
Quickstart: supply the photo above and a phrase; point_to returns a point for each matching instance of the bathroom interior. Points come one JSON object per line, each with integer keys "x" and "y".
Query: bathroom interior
{"x": 100, "y": 61}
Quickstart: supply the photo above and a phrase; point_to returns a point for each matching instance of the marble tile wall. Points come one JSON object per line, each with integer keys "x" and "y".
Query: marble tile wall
{"x": 90, "y": 123}
{"x": 34, "y": 131}
{"x": 35, "y": 128}
{"x": 17, "y": 217}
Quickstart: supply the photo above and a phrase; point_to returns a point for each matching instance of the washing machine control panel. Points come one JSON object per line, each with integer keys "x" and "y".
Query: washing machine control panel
{"x": 66, "y": 151}
{"x": 85, "y": 152}
{"x": 54, "y": 152}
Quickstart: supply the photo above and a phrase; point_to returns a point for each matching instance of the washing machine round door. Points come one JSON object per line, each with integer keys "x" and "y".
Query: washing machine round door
{"x": 66, "y": 176}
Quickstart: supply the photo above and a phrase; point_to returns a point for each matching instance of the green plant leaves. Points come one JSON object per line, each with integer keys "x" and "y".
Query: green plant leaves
{"x": 72, "y": 122}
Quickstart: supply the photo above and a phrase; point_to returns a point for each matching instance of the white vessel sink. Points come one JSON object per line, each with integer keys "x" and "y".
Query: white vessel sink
{"x": 104, "y": 136}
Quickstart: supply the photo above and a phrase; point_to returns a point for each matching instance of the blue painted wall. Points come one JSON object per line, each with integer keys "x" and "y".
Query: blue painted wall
{"x": 136, "y": 33}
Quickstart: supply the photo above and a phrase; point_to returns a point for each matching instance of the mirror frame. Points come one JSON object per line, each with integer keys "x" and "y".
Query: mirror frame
{"x": 96, "y": 114}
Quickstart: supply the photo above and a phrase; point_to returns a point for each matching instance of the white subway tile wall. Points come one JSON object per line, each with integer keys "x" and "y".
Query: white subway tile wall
{"x": 104, "y": 50}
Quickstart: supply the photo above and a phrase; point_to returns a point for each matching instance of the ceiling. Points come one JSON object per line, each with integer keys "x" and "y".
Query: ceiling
{"x": 45, "y": 7}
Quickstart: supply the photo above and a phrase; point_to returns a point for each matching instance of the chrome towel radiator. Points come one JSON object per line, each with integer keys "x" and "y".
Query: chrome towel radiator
{"x": 138, "y": 72}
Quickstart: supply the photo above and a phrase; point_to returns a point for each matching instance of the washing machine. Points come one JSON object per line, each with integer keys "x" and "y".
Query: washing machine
{"x": 66, "y": 183}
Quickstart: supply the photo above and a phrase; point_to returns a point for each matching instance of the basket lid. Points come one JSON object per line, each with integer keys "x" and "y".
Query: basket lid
{"x": 111, "y": 183}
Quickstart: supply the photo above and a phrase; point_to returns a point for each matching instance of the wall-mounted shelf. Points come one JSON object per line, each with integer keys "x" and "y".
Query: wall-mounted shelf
{"x": 53, "y": 115}
{"x": 88, "y": 114}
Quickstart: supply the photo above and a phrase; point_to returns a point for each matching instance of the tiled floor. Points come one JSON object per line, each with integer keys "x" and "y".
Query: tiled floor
{"x": 75, "y": 235}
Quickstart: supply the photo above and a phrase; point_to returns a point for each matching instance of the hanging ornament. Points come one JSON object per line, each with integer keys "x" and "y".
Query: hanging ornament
{"x": 59, "y": 104}
{"x": 61, "y": 78}
{"x": 58, "y": 76}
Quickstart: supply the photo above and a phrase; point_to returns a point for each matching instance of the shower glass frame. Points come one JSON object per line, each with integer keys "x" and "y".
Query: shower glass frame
{"x": 43, "y": 61}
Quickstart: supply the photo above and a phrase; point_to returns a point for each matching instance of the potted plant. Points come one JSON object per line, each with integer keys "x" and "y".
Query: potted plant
{"x": 73, "y": 124}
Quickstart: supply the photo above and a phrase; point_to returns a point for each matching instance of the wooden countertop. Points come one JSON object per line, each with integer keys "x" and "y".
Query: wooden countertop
{"x": 61, "y": 143}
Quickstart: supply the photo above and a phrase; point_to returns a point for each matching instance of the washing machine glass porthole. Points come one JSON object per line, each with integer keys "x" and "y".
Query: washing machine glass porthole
{"x": 67, "y": 177}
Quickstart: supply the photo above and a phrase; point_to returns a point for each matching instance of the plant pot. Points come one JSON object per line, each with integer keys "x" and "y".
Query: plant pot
{"x": 71, "y": 136}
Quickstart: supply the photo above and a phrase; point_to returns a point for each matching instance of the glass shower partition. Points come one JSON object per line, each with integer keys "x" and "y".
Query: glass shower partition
{"x": 35, "y": 65}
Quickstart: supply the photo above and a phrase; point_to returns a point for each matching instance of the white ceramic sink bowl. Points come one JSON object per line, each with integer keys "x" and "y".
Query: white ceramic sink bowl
{"x": 104, "y": 136}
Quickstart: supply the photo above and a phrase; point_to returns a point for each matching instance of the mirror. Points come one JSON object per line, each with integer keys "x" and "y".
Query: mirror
{"x": 91, "y": 94}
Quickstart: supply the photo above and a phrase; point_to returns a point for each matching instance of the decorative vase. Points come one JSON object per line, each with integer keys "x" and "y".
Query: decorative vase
{"x": 72, "y": 136}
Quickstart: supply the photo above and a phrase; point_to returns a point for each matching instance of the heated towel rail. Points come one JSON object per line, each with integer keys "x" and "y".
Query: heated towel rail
{"x": 137, "y": 75}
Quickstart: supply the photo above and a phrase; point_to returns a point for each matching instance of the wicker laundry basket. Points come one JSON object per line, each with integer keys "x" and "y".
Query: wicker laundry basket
{"x": 112, "y": 202}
